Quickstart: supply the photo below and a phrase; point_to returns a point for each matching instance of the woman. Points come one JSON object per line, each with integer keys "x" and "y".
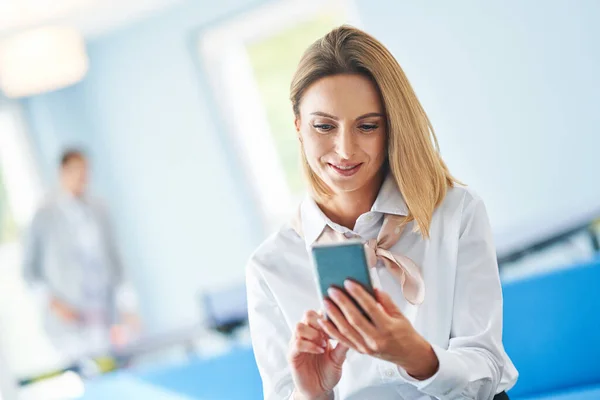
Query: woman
{"x": 370, "y": 155}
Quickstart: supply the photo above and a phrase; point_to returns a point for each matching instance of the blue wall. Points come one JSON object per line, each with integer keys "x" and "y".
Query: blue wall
{"x": 56, "y": 120}
{"x": 159, "y": 159}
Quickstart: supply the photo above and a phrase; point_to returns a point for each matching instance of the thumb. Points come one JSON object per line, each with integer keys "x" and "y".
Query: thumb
{"x": 338, "y": 354}
{"x": 388, "y": 304}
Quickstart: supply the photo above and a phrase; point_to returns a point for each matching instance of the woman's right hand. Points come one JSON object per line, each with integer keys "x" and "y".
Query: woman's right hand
{"x": 316, "y": 365}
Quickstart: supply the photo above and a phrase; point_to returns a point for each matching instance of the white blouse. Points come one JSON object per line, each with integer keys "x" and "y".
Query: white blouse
{"x": 461, "y": 316}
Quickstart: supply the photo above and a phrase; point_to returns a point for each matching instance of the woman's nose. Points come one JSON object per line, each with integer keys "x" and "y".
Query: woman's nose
{"x": 345, "y": 146}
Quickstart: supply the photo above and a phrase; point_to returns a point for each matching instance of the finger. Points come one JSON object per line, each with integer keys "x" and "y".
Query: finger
{"x": 309, "y": 333}
{"x": 336, "y": 335}
{"x": 344, "y": 327}
{"x": 338, "y": 355}
{"x": 367, "y": 303}
{"x": 388, "y": 304}
{"x": 353, "y": 316}
{"x": 301, "y": 346}
{"x": 311, "y": 318}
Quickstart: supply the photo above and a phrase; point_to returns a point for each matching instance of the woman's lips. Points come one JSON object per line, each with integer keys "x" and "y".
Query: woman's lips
{"x": 345, "y": 169}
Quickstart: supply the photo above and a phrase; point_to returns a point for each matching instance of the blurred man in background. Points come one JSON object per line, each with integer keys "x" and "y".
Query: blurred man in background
{"x": 71, "y": 262}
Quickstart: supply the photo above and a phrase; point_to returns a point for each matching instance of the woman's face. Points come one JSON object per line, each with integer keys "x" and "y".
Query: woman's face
{"x": 342, "y": 127}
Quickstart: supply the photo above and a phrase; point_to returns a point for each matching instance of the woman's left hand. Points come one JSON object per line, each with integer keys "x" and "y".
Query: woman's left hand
{"x": 389, "y": 335}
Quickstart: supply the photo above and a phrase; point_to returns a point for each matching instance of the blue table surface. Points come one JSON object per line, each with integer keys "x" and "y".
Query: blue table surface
{"x": 586, "y": 393}
{"x": 197, "y": 378}
{"x": 124, "y": 386}
{"x": 230, "y": 376}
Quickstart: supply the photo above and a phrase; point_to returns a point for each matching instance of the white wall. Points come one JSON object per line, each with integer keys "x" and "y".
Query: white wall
{"x": 512, "y": 89}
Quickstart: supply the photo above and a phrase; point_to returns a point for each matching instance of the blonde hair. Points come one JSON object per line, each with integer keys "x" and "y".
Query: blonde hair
{"x": 413, "y": 151}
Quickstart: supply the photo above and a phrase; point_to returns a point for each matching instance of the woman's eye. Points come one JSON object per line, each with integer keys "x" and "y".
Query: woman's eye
{"x": 323, "y": 127}
{"x": 368, "y": 127}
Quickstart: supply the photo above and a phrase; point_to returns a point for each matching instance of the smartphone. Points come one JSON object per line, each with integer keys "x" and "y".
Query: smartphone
{"x": 334, "y": 263}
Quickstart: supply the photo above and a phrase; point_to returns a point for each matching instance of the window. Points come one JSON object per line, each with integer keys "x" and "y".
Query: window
{"x": 22, "y": 340}
{"x": 20, "y": 189}
{"x": 250, "y": 62}
{"x": 8, "y": 227}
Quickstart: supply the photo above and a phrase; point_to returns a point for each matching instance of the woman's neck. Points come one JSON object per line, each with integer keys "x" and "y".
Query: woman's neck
{"x": 344, "y": 208}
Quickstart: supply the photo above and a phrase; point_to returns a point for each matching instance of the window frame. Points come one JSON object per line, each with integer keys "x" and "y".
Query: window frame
{"x": 229, "y": 72}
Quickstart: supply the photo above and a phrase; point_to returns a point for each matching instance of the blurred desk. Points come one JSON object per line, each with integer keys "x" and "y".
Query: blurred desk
{"x": 127, "y": 387}
{"x": 230, "y": 376}
{"x": 589, "y": 393}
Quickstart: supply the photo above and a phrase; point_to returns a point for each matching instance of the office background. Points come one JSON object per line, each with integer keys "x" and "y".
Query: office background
{"x": 184, "y": 114}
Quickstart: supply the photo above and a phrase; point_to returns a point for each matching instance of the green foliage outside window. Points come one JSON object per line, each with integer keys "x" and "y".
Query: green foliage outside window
{"x": 8, "y": 227}
{"x": 274, "y": 60}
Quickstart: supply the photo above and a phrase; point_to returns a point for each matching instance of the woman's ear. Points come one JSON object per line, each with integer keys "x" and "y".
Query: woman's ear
{"x": 297, "y": 125}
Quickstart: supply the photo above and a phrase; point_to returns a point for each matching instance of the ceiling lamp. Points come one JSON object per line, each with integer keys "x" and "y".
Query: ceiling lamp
{"x": 41, "y": 60}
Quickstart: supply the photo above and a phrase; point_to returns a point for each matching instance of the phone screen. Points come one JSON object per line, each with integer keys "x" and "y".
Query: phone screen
{"x": 334, "y": 263}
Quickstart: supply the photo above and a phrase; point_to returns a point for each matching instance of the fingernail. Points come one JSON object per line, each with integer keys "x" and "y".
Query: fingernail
{"x": 324, "y": 343}
{"x": 321, "y": 350}
{"x": 332, "y": 292}
{"x": 348, "y": 284}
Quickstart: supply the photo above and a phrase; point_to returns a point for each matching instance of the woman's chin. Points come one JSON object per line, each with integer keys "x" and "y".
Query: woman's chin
{"x": 345, "y": 184}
